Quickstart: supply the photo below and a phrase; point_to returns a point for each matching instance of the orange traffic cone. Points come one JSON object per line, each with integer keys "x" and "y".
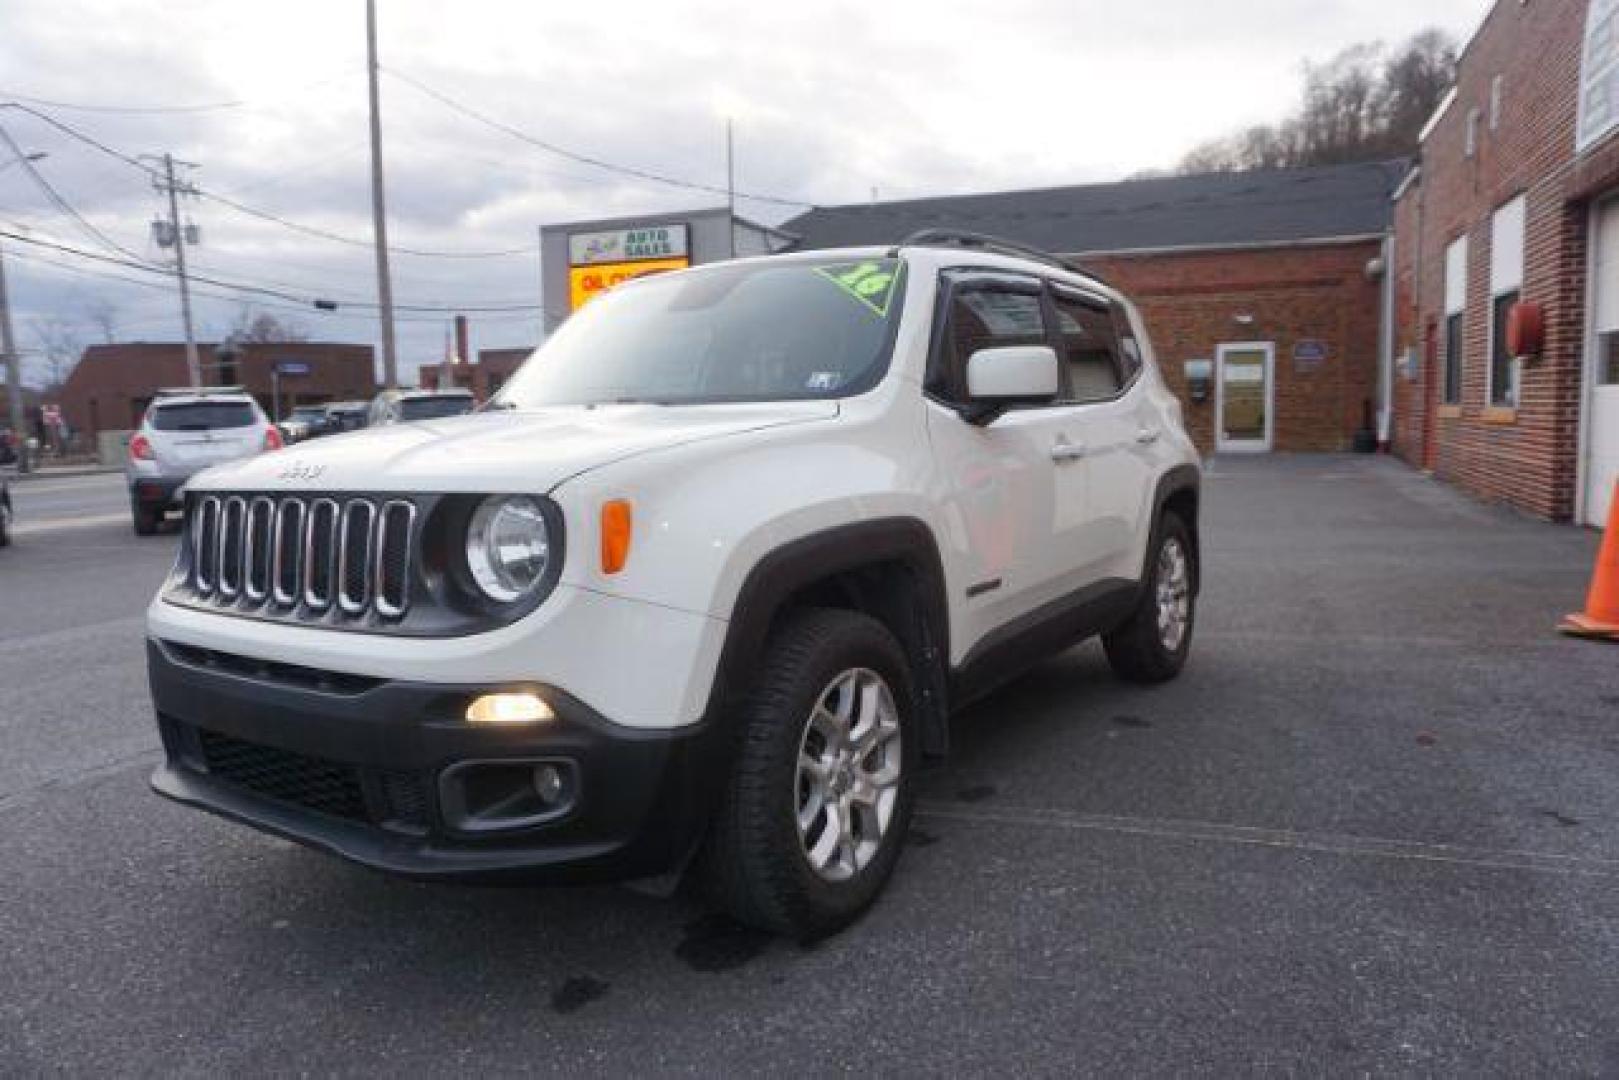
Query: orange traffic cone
{"x": 1601, "y": 616}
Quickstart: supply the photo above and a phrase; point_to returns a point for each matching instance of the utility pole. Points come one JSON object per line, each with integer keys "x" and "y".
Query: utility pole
{"x": 8, "y": 342}
{"x": 379, "y": 214}
{"x": 177, "y": 233}
{"x": 730, "y": 186}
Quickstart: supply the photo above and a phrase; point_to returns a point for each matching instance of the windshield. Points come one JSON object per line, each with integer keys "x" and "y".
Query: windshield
{"x": 767, "y": 331}
{"x": 431, "y": 408}
{"x": 203, "y": 416}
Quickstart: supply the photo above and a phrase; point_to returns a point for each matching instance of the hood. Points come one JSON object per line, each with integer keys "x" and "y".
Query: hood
{"x": 527, "y": 451}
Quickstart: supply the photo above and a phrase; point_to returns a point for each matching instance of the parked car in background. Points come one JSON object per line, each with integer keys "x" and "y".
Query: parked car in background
{"x": 304, "y": 422}
{"x": 184, "y": 432}
{"x": 344, "y": 416}
{"x": 405, "y": 406}
{"x": 5, "y": 514}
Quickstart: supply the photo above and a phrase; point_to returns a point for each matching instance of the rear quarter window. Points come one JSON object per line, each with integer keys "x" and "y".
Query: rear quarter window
{"x": 203, "y": 416}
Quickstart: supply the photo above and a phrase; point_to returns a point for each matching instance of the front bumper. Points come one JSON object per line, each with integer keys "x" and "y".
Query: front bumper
{"x": 356, "y": 767}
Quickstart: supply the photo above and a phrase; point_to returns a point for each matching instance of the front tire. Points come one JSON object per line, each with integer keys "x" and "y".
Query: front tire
{"x": 821, "y": 791}
{"x": 5, "y": 520}
{"x": 1153, "y": 645}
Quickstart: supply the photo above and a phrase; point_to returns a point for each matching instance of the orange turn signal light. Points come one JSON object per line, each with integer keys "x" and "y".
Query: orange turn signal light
{"x": 616, "y": 528}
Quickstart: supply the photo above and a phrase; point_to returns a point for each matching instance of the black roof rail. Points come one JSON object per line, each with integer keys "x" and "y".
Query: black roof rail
{"x": 963, "y": 239}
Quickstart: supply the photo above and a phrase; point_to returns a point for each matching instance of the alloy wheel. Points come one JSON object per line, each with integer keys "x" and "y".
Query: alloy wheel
{"x": 848, "y": 775}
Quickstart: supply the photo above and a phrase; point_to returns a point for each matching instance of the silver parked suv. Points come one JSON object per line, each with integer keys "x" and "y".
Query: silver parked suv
{"x": 184, "y": 432}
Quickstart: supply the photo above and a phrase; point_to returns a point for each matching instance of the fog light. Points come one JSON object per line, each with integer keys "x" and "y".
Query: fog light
{"x": 549, "y": 784}
{"x": 509, "y": 709}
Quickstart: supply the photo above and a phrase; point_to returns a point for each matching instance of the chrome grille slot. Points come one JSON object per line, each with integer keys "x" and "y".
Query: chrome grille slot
{"x": 394, "y": 528}
{"x": 320, "y": 554}
{"x": 354, "y": 556}
{"x": 289, "y": 548}
{"x": 204, "y": 544}
{"x": 329, "y": 560}
{"x": 258, "y": 557}
{"x": 232, "y": 530}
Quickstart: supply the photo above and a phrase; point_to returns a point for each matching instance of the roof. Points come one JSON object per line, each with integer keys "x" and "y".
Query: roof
{"x": 1277, "y": 206}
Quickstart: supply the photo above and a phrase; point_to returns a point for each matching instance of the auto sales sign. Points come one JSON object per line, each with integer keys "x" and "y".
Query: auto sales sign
{"x": 599, "y": 260}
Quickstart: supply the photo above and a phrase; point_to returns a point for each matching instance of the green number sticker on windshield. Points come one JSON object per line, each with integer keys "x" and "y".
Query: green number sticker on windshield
{"x": 872, "y": 283}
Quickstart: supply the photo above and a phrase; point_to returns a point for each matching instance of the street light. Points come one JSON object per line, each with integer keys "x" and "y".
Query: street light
{"x": 8, "y": 341}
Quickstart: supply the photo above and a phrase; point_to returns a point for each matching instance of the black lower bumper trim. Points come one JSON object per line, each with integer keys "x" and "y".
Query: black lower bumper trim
{"x": 356, "y": 774}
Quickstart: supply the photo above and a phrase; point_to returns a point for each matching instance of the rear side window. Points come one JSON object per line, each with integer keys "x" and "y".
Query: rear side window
{"x": 1090, "y": 349}
{"x": 203, "y": 415}
{"x": 1130, "y": 361}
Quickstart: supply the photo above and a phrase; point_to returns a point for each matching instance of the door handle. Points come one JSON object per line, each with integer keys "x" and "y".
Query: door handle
{"x": 1067, "y": 451}
{"x": 1148, "y": 436}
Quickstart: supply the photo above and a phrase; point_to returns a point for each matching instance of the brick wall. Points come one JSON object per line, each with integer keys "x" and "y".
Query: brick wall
{"x": 1527, "y": 457}
{"x": 1192, "y": 300}
{"x": 112, "y": 384}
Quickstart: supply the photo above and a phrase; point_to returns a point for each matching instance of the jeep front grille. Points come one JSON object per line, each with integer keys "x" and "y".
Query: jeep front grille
{"x": 349, "y": 558}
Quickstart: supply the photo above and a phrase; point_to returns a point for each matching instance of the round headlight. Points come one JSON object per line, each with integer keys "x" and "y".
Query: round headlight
{"x": 508, "y": 547}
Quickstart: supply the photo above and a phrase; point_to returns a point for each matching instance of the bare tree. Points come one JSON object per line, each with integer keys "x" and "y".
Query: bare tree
{"x": 1362, "y": 105}
{"x": 59, "y": 343}
{"x": 102, "y": 314}
{"x": 253, "y": 326}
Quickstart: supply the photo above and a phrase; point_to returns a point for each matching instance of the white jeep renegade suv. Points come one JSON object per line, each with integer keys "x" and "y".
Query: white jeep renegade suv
{"x": 700, "y": 588}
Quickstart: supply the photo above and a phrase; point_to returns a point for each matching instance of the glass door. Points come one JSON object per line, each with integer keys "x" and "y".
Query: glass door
{"x": 1246, "y": 398}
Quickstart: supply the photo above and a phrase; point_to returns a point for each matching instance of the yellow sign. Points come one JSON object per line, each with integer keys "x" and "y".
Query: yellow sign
{"x": 585, "y": 283}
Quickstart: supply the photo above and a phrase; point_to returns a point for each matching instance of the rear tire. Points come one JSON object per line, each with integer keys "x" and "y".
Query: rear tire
{"x": 147, "y": 519}
{"x": 821, "y": 790}
{"x": 1152, "y": 646}
{"x": 5, "y": 521}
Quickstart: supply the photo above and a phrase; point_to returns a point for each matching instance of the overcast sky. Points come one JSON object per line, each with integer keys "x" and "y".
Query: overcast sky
{"x": 831, "y": 99}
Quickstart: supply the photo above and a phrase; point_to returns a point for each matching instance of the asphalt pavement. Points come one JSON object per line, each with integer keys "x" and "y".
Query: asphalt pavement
{"x": 1373, "y": 828}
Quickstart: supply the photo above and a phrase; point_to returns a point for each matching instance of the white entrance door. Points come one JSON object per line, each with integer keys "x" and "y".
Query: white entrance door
{"x": 1602, "y": 370}
{"x": 1245, "y": 397}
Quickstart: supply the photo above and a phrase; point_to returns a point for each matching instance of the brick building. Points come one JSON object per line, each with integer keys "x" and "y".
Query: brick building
{"x": 112, "y": 384}
{"x": 484, "y": 377}
{"x": 1512, "y": 203}
{"x": 1269, "y": 282}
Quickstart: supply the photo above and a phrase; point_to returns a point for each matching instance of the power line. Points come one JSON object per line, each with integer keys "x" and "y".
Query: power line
{"x": 585, "y": 159}
{"x": 59, "y": 201}
{"x": 252, "y": 211}
{"x": 132, "y": 110}
{"x": 273, "y": 293}
{"x": 213, "y": 294}
{"x": 158, "y": 110}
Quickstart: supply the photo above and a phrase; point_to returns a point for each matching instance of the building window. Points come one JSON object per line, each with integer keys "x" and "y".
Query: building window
{"x": 1608, "y": 359}
{"x": 1599, "y": 74}
{"x": 1453, "y": 360}
{"x": 1473, "y": 117}
{"x": 1497, "y": 87}
{"x": 1455, "y": 320}
{"x": 1506, "y": 287}
{"x": 1503, "y": 376}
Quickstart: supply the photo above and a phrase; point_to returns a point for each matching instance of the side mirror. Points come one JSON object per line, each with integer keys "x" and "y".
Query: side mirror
{"x": 1014, "y": 375}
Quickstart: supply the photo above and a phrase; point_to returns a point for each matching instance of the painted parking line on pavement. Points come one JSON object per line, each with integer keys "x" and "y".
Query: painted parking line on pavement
{"x": 92, "y": 521}
{"x": 1289, "y": 839}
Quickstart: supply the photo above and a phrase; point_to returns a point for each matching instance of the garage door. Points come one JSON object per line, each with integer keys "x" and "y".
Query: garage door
{"x": 1602, "y": 464}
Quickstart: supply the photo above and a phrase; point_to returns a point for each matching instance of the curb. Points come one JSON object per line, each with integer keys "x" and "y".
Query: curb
{"x": 58, "y": 474}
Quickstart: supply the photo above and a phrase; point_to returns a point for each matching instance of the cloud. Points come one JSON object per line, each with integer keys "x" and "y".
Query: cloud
{"x": 831, "y": 100}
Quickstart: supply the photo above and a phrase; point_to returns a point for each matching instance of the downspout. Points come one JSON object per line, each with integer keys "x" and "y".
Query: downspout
{"x": 1385, "y": 372}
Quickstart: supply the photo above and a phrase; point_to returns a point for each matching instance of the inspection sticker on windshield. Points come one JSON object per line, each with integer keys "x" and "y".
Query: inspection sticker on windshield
{"x": 873, "y": 283}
